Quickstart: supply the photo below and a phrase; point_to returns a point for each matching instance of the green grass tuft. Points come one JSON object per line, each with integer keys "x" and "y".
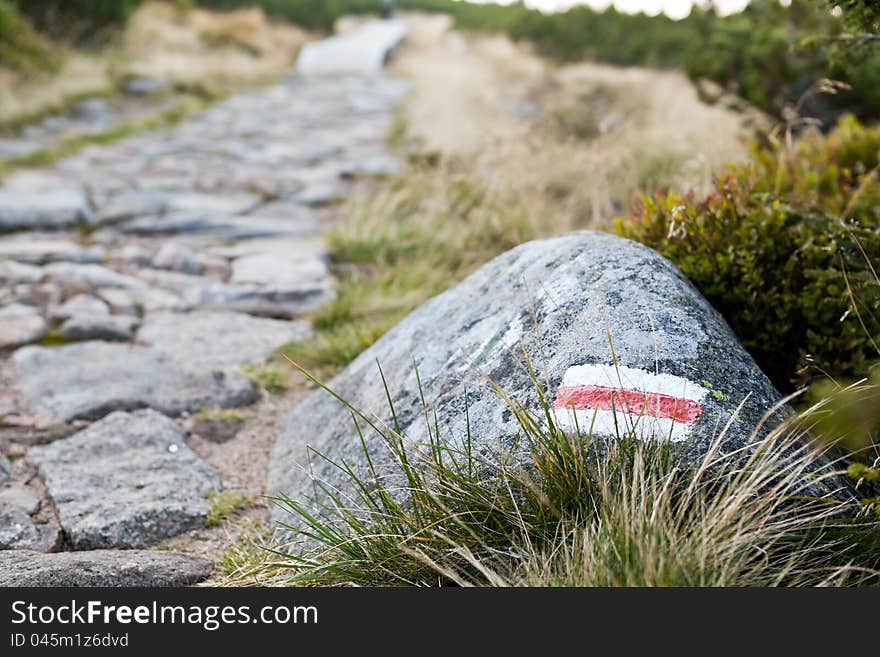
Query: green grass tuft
{"x": 272, "y": 377}
{"x": 225, "y": 504}
{"x": 625, "y": 513}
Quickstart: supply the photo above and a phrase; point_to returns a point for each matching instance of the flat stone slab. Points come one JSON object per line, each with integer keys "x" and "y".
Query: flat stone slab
{"x": 5, "y": 463}
{"x": 213, "y": 203}
{"x": 12, "y": 272}
{"x": 216, "y": 227}
{"x": 41, "y": 248}
{"x": 87, "y": 380}
{"x": 101, "y": 568}
{"x": 42, "y": 208}
{"x": 100, "y": 327}
{"x": 20, "y": 325}
{"x": 363, "y": 50}
{"x": 217, "y": 339}
{"x": 127, "y": 481}
{"x": 273, "y": 268}
{"x": 18, "y": 531}
{"x": 281, "y": 299}
{"x": 132, "y": 203}
{"x": 87, "y": 276}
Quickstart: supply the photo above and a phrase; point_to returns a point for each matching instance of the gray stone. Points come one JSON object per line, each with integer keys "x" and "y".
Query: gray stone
{"x": 77, "y": 276}
{"x": 79, "y": 305}
{"x": 12, "y": 148}
{"x": 100, "y": 327}
{"x": 361, "y": 51}
{"x": 216, "y": 227}
{"x": 558, "y": 300}
{"x": 216, "y": 339}
{"x": 20, "y": 497}
{"x": 17, "y": 530}
{"x": 42, "y": 248}
{"x": 213, "y": 203}
{"x": 17, "y": 272}
{"x": 20, "y": 325}
{"x": 320, "y": 194}
{"x": 150, "y": 485}
{"x": 5, "y": 469}
{"x": 139, "y": 300}
{"x": 277, "y": 300}
{"x": 35, "y": 295}
{"x": 42, "y": 208}
{"x": 101, "y": 568}
{"x": 172, "y": 281}
{"x": 134, "y": 254}
{"x": 275, "y": 268}
{"x": 87, "y": 380}
{"x": 177, "y": 257}
{"x": 93, "y": 110}
{"x": 374, "y": 165}
{"x": 132, "y": 203}
{"x": 145, "y": 86}
{"x": 292, "y": 212}
{"x": 121, "y": 301}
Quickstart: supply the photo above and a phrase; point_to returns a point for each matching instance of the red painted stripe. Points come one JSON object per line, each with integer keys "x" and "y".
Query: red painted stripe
{"x": 651, "y": 404}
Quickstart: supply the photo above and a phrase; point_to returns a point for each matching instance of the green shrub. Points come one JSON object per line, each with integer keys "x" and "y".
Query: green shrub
{"x": 78, "y": 20}
{"x": 21, "y": 48}
{"x": 786, "y": 249}
{"x": 311, "y": 14}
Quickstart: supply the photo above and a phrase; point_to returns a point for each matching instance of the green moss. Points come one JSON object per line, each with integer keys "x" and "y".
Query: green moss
{"x": 272, "y": 377}
{"x": 225, "y": 504}
{"x": 21, "y": 48}
{"x": 224, "y": 414}
{"x": 54, "y": 339}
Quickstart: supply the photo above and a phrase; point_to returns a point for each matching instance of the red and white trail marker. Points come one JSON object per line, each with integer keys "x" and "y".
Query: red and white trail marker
{"x": 620, "y": 401}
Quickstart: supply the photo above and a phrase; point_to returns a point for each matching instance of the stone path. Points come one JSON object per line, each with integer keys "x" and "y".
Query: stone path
{"x": 138, "y": 278}
{"x": 363, "y": 51}
{"x": 139, "y": 99}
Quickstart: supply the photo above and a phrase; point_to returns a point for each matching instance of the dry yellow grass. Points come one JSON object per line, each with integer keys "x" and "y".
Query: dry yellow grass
{"x": 79, "y": 75}
{"x": 599, "y": 134}
{"x": 199, "y": 47}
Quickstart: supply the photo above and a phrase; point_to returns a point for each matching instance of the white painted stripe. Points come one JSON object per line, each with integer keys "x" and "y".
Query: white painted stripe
{"x": 621, "y": 425}
{"x": 630, "y": 378}
{"x": 618, "y": 424}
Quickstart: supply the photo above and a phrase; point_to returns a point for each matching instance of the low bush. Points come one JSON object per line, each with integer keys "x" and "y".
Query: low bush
{"x": 787, "y": 250}
{"x": 21, "y": 48}
{"x": 77, "y": 20}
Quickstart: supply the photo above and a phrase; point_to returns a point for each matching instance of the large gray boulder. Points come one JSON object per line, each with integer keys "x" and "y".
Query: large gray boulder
{"x": 680, "y": 371}
{"x": 101, "y": 568}
{"x": 128, "y": 481}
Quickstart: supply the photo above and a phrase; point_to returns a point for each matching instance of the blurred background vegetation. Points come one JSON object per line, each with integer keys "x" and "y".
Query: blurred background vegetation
{"x": 769, "y": 54}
